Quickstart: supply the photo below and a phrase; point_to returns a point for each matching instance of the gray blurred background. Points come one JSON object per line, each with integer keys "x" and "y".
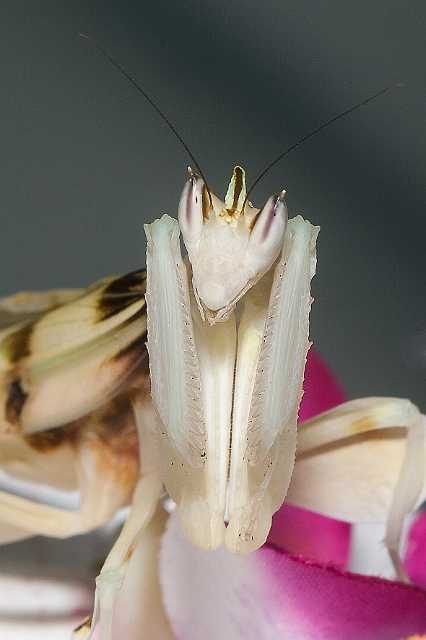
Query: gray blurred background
{"x": 85, "y": 161}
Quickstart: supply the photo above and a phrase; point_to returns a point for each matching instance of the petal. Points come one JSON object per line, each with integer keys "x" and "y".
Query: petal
{"x": 321, "y": 391}
{"x": 269, "y": 594}
{"x": 311, "y": 535}
{"x": 415, "y": 559}
{"x": 298, "y": 530}
{"x": 368, "y": 552}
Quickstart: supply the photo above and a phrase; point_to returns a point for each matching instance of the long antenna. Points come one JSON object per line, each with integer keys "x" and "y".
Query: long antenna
{"x": 147, "y": 97}
{"x": 317, "y": 130}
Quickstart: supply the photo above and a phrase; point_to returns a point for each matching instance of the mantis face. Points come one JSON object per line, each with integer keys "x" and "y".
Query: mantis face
{"x": 230, "y": 244}
{"x": 227, "y": 393}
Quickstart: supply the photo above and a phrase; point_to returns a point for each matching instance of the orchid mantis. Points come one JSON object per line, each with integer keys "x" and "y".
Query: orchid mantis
{"x": 210, "y": 417}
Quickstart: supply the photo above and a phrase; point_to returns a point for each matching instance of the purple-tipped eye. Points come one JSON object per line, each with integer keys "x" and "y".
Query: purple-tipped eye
{"x": 267, "y": 234}
{"x": 192, "y": 207}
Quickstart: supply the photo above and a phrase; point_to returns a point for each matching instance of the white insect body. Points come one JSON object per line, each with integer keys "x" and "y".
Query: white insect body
{"x": 213, "y": 419}
{"x": 228, "y": 389}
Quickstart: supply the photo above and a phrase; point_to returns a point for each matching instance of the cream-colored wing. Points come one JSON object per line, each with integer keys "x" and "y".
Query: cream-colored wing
{"x": 73, "y": 356}
{"x": 29, "y": 305}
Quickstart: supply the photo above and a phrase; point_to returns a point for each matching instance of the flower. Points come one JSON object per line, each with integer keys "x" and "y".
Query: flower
{"x": 415, "y": 558}
{"x": 294, "y": 587}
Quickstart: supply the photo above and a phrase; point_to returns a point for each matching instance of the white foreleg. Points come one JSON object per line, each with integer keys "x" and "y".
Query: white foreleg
{"x": 110, "y": 580}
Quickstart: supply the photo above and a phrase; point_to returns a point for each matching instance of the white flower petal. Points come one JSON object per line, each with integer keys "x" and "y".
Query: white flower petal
{"x": 269, "y": 595}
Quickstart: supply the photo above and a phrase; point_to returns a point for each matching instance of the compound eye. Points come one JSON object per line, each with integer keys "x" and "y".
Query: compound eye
{"x": 267, "y": 234}
{"x": 192, "y": 208}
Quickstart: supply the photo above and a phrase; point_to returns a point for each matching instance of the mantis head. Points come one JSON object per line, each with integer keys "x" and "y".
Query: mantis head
{"x": 230, "y": 244}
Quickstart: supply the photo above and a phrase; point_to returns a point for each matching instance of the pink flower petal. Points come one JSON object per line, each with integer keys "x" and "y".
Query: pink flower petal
{"x": 269, "y": 595}
{"x": 415, "y": 559}
{"x": 298, "y": 530}
{"x": 311, "y": 535}
{"x": 321, "y": 389}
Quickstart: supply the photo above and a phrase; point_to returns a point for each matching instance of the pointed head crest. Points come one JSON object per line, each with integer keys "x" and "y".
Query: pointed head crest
{"x": 235, "y": 198}
{"x": 230, "y": 244}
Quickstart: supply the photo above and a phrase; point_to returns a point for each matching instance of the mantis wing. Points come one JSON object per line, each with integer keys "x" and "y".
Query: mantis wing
{"x": 65, "y": 359}
{"x": 70, "y": 360}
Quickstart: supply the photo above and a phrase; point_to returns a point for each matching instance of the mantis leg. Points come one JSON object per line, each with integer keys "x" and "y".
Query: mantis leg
{"x": 113, "y": 573}
{"x": 145, "y": 500}
{"x": 363, "y": 462}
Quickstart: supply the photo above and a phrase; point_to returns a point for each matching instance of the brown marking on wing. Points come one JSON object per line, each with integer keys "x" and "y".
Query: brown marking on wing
{"x": 121, "y": 293}
{"x": 17, "y": 345}
{"x": 16, "y": 398}
{"x": 112, "y": 436}
{"x": 135, "y": 351}
{"x": 134, "y": 356}
{"x": 49, "y": 440}
{"x": 109, "y": 433}
{"x": 112, "y": 424}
